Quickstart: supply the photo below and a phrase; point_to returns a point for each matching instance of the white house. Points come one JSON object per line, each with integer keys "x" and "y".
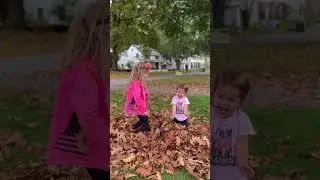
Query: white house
{"x": 41, "y": 10}
{"x": 190, "y": 63}
{"x": 134, "y": 54}
{"x": 157, "y": 60}
{"x": 128, "y": 58}
{"x": 262, "y": 10}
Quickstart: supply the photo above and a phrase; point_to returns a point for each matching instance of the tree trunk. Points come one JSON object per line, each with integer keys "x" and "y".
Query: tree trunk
{"x": 15, "y": 14}
{"x": 218, "y": 7}
{"x": 178, "y": 63}
{"x": 245, "y": 18}
{"x": 3, "y": 11}
{"x": 115, "y": 58}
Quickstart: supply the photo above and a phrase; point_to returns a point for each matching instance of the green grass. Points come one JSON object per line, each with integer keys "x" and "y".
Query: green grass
{"x": 189, "y": 80}
{"x": 284, "y": 57}
{"x": 292, "y": 131}
{"x": 17, "y": 114}
{"x": 199, "y": 105}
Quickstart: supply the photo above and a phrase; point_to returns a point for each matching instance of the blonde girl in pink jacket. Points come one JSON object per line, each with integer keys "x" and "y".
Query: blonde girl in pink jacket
{"x": 137, "y": 97}
{"x": 79, "y": 133}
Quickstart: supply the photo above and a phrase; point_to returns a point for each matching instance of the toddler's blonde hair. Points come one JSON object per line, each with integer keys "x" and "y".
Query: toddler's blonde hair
{"x": 83, "y": 38}
{"x": 138, "y": 71}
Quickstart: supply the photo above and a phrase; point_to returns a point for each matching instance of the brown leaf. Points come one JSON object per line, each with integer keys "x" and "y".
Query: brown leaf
{"x": 145, "y": 172}
{"x": 129, "y": 159}
{"x": 180, "y": 161}
{"x": 159, "y": 177}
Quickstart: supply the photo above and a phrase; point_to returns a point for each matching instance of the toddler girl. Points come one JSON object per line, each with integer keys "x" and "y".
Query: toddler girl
{"x": 230, "y": 128}
{"x": 136, "y": 101}
{"x": 180, "y": 105}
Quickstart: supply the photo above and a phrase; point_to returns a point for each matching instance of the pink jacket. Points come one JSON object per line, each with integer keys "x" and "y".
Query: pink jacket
{"x": 136, "y": 101}
{"x": 80, "y": 104}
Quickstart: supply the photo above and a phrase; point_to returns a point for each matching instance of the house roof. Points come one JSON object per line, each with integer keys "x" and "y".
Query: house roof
{"x": 154, "y": 53}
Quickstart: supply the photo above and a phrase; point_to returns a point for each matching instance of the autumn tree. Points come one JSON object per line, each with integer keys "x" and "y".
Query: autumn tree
{"x": 185, "y": 29}
{"x": 133, "y": 22}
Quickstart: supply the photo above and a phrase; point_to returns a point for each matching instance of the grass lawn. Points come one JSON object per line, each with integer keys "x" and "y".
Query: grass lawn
{"x": 284, "y": 57}
{"x": 285, "y": 140}
{"x": 126, "y": 74}
{"x": 26, "y": 44}
{"x": 198, "y": 80}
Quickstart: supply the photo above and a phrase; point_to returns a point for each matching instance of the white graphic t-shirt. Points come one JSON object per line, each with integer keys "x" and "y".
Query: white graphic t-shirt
{"x": 180, "y": 102}
{"x": 225, "y": 132}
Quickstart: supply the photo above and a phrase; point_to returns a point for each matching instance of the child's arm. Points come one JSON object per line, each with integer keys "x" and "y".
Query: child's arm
{"x": 173, "y": 113}
{"x": 185, "y": 110}
{"x": 173, "y": 107}
{"x": 186, "y": 107}
{"x": 243, "y": 156}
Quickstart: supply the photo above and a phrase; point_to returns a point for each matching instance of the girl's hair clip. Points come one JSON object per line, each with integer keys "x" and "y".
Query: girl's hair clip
{"x": 147, "y": 65}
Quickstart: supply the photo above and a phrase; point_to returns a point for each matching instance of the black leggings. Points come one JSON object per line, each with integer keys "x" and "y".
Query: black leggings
{"x": 98, "y": 174}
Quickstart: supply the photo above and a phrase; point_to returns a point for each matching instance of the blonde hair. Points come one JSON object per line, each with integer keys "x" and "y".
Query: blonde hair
{"x": 83, "y": 39}
{"x": 138, "y": 71}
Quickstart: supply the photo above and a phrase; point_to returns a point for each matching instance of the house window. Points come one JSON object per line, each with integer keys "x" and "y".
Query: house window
{"x": 137, "y": 55}
{"x": 157, "y": 57}
{"x": 261, "y": 11}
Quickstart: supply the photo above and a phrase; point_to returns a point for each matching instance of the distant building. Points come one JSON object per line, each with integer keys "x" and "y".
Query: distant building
{"x": 262, "y": 10}
{"x": 190, "y": 63}
{"x": 134, "y": 54}
{"x": 41, "y": 10}
{"x": 130, "y": 57}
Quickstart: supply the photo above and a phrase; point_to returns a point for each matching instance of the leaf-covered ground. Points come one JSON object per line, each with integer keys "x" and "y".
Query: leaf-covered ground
{"x": 186, "y": 151}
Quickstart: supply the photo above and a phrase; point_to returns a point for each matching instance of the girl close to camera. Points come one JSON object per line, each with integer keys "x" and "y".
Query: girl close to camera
{"x": 80, "y": 127}
{"x": 231, "y": 128}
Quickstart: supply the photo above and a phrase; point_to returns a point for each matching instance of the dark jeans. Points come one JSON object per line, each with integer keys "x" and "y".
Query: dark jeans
{"x": 144, "y": 121}
{"x": 185, "y": 122}
{"x": 98, "y": 174}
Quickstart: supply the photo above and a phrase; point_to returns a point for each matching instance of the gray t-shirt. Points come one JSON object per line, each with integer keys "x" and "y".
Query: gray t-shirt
{"x": 225, "y": 132}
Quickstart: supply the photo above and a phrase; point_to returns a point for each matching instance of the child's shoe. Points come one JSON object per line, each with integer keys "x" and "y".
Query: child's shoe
{"x": 136, "y": 125}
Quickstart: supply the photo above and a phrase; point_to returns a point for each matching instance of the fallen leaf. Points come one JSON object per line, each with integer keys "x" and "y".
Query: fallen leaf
{"x": 131, "y": 158}
{"x": 145, "y": 172}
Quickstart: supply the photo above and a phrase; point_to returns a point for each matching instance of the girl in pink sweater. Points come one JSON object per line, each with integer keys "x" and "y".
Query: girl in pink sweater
{"x": 137, "y": 97}
{"x": 80, "y": 123}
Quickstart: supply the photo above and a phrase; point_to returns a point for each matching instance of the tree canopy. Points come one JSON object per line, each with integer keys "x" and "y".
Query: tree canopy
{"x": 177, "y": 28}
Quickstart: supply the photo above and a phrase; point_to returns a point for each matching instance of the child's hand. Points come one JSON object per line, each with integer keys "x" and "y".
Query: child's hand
{"x": 247, "y": 171}
{"x": 187, "y": 115}
{"x": 146, "y": 113}
{"x": 172, "y": 116}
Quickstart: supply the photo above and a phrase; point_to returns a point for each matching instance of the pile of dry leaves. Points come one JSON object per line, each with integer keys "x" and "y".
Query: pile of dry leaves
{"x": 166, "y": 148}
